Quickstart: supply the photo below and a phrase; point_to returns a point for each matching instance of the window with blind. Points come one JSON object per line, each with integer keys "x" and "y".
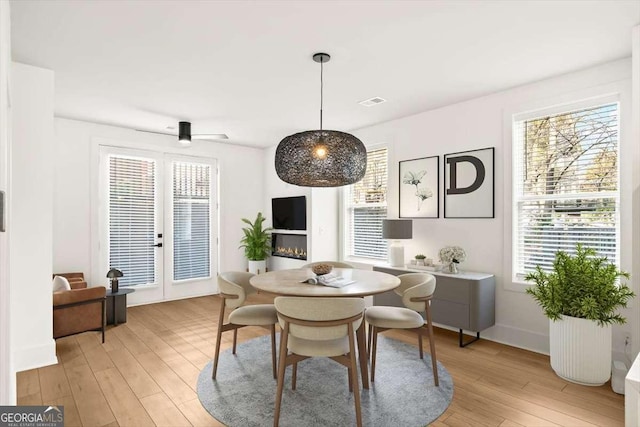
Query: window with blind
{"x": 365, "y": 207}
{"x": 565, "y": 186}
{"x": 132, "y": 219}
{"x": 191, "y": 220}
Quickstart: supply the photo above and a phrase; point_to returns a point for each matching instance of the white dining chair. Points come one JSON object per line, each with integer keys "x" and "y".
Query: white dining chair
{"x": 416, "y": 290}
{"x": 234, "y": 288}
{"x": 323, "y": 327}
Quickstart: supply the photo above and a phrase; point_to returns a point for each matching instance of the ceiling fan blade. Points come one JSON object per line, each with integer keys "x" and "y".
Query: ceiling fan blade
{"x": 200, "y": 136}
{"x": 211, "y": 136}
{"x": 158, "y": 133}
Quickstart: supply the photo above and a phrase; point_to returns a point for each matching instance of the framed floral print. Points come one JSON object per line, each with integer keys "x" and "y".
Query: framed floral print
{"x": 419, "y": 184}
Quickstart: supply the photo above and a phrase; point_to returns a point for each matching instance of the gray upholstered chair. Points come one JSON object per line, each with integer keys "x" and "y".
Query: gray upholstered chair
{"x": 335, "y": 264}
{"x": 234, "y": 288}
{"x": 323, "y": 327}
{"x": 416, "y": 290}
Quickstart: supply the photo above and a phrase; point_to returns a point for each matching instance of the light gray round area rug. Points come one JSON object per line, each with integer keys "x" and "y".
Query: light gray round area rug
{"x": 403, "y": 393}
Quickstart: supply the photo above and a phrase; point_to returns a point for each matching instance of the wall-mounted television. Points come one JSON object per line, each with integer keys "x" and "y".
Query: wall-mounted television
{"x": 289, "y": 213}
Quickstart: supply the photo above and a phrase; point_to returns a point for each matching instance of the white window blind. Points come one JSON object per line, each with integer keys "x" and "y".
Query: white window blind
{"x": 566, "y": 190}
{"x": 191, "y": 220}
{"x": 366, "y": 207}
{"x": 132, "y": 218}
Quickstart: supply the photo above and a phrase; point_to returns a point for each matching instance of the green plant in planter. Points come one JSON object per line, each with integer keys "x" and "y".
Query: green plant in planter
{"x": 581, "y": 285}
{"x": 257, "y": 240}
{"x": 420, "y": 256}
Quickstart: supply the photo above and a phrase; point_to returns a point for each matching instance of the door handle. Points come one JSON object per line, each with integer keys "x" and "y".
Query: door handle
{"x": 157, "y": 245}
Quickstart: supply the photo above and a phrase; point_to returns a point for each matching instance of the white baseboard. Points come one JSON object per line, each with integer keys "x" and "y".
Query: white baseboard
{"x": 205, "y": 294}
{"x": 520, "y": 338}
{"x": 35, "y": 357}
{"x": 526, "y": 340}
{"x": 514, "y": 337}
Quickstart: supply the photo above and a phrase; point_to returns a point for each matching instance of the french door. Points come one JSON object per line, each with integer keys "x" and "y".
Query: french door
{"x": 158, "y": 223}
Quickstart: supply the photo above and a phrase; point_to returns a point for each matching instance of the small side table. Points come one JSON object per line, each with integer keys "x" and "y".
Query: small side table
{"x": 117, "y": 306}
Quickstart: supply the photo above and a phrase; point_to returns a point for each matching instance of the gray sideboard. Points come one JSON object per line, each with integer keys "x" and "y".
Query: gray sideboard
{"x": 465, "y": 300}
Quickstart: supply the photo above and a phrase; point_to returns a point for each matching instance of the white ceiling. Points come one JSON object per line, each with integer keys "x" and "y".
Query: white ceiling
{"x": 245, "y": 68}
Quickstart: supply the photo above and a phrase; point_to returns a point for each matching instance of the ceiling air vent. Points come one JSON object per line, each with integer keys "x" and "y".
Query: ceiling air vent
{"x": 372, "y": 101}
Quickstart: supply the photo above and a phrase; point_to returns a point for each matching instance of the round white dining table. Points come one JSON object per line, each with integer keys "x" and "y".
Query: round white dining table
{"x": 365, "y": 283}
{"x": 290, "y": 283}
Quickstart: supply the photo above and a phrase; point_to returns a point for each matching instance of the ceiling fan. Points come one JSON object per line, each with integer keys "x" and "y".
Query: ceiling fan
{"x": 185, "y": 137}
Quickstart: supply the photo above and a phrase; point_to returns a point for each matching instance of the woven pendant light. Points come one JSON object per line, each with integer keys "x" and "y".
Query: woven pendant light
{"x": 321, "y": 158}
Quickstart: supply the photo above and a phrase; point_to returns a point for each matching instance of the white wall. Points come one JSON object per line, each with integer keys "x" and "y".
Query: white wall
{"x": 7, "y": 379}
{"x": 322, "y": 216}
{"x": 481, "y": 123}
{"x": 324, "y": 224}
{"x": 635, "y": 140}
{"x": 30, "y": 241}
{"x": 240, "y": 190}
{"x": 275, "y": 187}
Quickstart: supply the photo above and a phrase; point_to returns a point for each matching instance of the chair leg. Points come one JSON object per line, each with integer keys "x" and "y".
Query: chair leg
{"x": 284, "y": 337}
{"x": 215, "y": 358}
{"x": 374, "y": 348}
{"x": 432, "y": 346}
{"x": 362, "y": 354}
{"x": 420, "y": 344}
{"x": 235, "y": 340}
{"x": 294, "y": 375}
{"x": 369, "y": 336}
{"x": 354, "y": 375}
{"x": 273, "y": 351}
{"x": 350, "y": 381}
{"x": 218, "y": 340}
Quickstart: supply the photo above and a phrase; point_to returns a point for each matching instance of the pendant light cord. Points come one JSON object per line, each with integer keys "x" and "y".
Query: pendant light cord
{"x": 321, "y": 90}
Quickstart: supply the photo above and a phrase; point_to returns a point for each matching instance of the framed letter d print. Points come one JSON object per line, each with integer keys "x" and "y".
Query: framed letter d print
{"x": 469, "y": 184}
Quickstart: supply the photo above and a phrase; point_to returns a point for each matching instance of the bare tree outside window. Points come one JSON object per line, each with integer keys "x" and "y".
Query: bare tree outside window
{"x": 366, "y": 207}
{"x": 566, "y": 185}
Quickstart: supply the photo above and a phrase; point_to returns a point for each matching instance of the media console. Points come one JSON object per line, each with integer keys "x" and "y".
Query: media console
{"x": 465, "y": 300}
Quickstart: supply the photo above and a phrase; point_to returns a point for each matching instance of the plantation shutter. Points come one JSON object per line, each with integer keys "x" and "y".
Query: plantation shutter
{"x": 566, "y": 189}
{"x": 191, "y": 220}
{"x": 366, "y": 203}
{"x": 132, "y": 219}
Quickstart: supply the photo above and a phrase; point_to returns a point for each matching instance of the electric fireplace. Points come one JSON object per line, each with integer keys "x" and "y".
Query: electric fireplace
{"x": 289, "y": 245}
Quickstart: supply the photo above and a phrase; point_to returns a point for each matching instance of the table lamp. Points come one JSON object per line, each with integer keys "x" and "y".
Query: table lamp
{"x": 113, "y": 275}
{"x": 396, "y": 230}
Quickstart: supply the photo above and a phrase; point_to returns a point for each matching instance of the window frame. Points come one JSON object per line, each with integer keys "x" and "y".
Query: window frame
{"x": 171, "y": 219}
{"x": 345, "y": 207}
{"x": 608, "y": 94}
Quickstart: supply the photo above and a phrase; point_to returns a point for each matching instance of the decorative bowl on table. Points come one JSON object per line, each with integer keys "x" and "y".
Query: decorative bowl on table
{"x": 321, "y": 269}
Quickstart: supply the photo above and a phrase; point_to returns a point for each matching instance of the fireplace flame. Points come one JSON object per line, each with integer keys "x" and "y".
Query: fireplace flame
{"x": 291, "y": 252}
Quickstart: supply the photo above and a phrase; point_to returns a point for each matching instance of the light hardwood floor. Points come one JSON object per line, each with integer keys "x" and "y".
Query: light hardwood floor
{"x": 146, "y": 373}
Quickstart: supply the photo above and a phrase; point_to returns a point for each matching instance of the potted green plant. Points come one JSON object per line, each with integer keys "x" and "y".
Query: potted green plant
{"x": 581, "y": 297}
{"x": 256, "y": 243}
{"x": 420, "y": 259}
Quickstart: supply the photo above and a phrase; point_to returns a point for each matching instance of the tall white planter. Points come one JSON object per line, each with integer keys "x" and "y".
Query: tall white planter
{"x": 580, "y": 350}
{"x": 257, "y": 267}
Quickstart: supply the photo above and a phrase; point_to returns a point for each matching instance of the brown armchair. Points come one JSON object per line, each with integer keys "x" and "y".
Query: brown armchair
{"x": 80, "y": 309}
